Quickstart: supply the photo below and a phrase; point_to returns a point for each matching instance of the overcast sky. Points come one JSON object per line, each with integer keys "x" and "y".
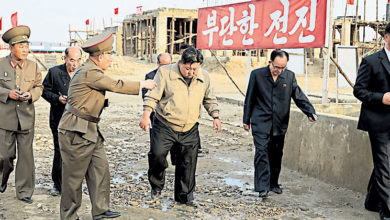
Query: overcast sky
{"x": 49, "y": 19}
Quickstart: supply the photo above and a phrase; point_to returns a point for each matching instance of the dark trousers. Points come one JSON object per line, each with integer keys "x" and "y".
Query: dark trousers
{"x": 57, "y": 161}
{"x": 268, "y": 160}
{"x": 173, "y": 149}
{"x": 186, "y": 143}
{"x": 378, "y": 190}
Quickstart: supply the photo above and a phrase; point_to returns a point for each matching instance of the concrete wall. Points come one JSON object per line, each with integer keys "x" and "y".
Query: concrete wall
{"x": 331, "y": 149}
{"x": 119, "y": 41}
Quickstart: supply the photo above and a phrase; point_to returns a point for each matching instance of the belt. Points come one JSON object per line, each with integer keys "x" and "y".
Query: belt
{"x": 76, "y": 112}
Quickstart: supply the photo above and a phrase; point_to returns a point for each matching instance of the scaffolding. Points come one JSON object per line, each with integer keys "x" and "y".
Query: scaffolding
{"x": 160, "y": 30}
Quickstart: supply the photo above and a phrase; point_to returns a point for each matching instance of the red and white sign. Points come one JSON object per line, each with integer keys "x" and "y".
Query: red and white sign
{"x": 138, "y": 10}
{"x": 263, "y": 24}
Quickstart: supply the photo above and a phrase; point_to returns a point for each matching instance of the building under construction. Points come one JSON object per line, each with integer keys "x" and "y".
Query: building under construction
{"x": 160, "y": 30}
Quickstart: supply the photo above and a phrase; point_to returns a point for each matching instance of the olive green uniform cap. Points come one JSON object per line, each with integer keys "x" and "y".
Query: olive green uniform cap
{"x": 18, "y": 34}
{"x": 100, "y": 44}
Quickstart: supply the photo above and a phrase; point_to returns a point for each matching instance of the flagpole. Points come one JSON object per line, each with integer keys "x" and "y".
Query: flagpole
{"x": 328, "y": 54}
{"x": 86, "y": 30}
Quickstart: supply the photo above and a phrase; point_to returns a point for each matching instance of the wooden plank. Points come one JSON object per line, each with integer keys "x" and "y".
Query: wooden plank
{"x": 190, "y": 37}
{"x": 172, "y": 35}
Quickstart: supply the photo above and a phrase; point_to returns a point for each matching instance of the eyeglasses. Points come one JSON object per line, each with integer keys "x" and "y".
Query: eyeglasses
{"x": 279, "y": 67}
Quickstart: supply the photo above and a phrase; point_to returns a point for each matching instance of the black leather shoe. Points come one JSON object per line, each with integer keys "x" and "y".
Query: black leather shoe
{"x": 192, "y": 203}
{"x": 107, "y": 214}
{"x": 276, "y": 189}
{"x": 27, "y": 200}
{"x": 200, "y": 152}
{"x": 263, "y": 194}
{"x": 3, "y": 188}
{"x": 384, "y": 214}
{"x": 55, "y": 192}
{"x": 155, "y": 194}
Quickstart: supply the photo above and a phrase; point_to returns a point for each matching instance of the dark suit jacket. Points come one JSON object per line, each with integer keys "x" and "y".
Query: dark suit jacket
{"x": 267, "y": 104}
{"x": 55, "y": 83}
{"x": 372, "y": 82}
{"x": 150, "y": 75}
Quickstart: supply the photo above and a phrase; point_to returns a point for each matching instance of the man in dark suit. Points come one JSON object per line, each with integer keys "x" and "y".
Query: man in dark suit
{"x": 56, "y": 84}
{"x": 162, "y": 59}
{"x": 267, "y": 110}
{"x": 372, "y": 87}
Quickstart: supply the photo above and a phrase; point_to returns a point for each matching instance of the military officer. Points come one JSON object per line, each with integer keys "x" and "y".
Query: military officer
{"x": 20, "y": 87}
{"x": 81, "y": 143}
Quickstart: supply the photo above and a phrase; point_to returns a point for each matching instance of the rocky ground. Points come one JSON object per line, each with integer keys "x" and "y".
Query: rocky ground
{"x": 224, "y": 181}
{"x": 224, "y": 176}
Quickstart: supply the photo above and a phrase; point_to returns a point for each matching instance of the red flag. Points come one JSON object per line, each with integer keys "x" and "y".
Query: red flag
{"x": 388, "y": 1}
{"x": 117, "y": 9}
{"x": 14, "y": 19}
{"x": 350, "y": 2}
{"x": 1, "y": 23}
{"x": 87, "y": 22}
{"x": 138, "y": 10}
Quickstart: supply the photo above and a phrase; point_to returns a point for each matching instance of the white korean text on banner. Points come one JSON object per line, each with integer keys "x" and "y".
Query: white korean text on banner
{"x": 263, "y": 24}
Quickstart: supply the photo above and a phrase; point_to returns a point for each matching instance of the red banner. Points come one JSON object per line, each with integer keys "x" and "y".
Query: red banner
{"x": 14, "y": 19}
{"x": 87, "y": 22}
{"x": 116, "y": 10}
{"x": 350, "y": 2}
{"x": 1, "y": 23}
{"x": 263, "y": 24}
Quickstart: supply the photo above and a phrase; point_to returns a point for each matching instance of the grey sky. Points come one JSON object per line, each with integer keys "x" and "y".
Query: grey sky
{"x": 49, "y": 19}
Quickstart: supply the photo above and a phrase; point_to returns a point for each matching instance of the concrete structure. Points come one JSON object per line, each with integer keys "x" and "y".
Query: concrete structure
{"x": 332, "y": 149}
{"x": 160, "y": 30}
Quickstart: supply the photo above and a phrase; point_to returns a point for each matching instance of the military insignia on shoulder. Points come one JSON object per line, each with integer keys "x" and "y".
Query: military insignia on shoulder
{"x": 5, "y": 74}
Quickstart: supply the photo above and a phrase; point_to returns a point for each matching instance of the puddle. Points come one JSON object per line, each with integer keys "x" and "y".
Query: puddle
{"x": 164, "y": 208}
{"x": 228, "y": 160}
{"x": 239, "y": 183}
{"x": 118, "y": 180}
{"x": 137, "y": 175}
{"x": 248, "y": 172}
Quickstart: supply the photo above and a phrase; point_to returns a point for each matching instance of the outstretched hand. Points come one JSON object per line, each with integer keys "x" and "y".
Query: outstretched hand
{"x": 148, "y": 84}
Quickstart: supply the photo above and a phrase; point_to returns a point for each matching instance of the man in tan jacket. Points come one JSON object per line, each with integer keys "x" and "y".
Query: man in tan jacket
{"x": 81, "y": 142}
{"x": 182, "y": 89}
{"x": 20, "y": 87}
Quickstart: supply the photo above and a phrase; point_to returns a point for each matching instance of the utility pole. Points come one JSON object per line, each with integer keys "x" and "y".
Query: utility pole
{"x": 356, "y": 35}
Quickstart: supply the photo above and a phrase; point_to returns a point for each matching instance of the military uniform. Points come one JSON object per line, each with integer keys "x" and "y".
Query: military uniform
{"x": 17, "y": 117}
{"x": 81, "y": 143}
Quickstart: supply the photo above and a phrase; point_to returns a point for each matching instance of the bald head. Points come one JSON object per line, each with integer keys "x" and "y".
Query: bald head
{"x": 164, "y": 59}
{"x": 72, "y": 59}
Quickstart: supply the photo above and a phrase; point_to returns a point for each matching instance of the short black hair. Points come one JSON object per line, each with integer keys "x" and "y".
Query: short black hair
{"x": 279, "y": 53}
{"x": 184, "y": 46}
{"x": 158, "y": 57}
{"x": 387, "y": 29}
{"x": 67, "y": 51}
{"x": 191, "y": 55}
